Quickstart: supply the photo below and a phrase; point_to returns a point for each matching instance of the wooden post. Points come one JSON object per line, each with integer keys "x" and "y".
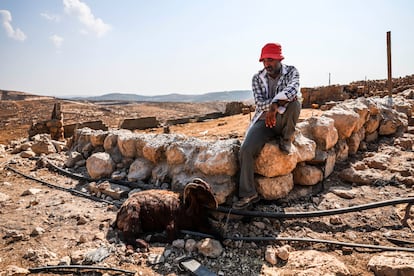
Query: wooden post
{"x": 389, "y": 66}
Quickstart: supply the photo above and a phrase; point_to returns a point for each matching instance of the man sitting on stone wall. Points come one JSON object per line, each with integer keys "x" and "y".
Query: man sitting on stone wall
{"x": 276, "y": 92}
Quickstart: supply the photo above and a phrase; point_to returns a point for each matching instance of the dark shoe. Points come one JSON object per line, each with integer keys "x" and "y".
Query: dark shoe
{"x": 285, "y": 146}
{"x": 246, "y": 202}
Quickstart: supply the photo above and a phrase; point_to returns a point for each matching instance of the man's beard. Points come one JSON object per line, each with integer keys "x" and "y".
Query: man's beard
{"x": 273, "y": 70}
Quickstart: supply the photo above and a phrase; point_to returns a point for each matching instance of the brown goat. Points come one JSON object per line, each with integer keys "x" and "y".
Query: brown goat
{"x": 159, "y": 210}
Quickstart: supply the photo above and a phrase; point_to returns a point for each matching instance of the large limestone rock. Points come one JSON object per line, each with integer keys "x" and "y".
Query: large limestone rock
{"x": 330, "y": 163}
{"x": 73, "y": 158}
{"x": 342, "y": 150}
{"x": 324, "y": 132}
{"x": 361, "y": 109}
{"x": 220, "y": 158}
{"x": 111, "y": 145}
{"x": 140, "y": 169}
{"x": 273, "y": 162}
{"x": 127, "y": 144}
{"x": 345, "y": 120}
{"x": 373, "y": 123}
{"x": 392, "y": 121}
{"x": 43, "y": 144}
{"x": 392, "y": 264}
{"x": 355, "y": 140}
{"x": 307, "y": 175}
{"x": 100, "y": 165}
{"x": 309, "y": 263}
{"x": 97, "y": 138}
{"x": 274, "y": 187}
{"x": 154, "y": 148}
{"x": 304, "y": 148}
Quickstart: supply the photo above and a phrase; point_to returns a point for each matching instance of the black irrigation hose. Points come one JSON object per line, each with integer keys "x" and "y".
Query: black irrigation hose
{"x": 53, "y": 186}
{"x": 290, "y": 239}
{"x": 66, "y": 268}
{"x": 88, "y": 179}
{"x": 294, "y": 215}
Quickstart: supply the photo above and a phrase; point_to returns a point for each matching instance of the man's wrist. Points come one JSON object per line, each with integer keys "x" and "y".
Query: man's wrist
{"x": 273, "y": 107}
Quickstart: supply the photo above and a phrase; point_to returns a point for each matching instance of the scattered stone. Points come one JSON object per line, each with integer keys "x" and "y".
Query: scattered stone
{"x": 42, "y": 144}
{"x": 83, "y": 238}
{"x": 190, "y": 245}
{"x": 115, "y": 191}
{"x": 392, "y": 264}
{"x": 284, "y": 252}
{"x": 343, "y": 193}
{"x": 13, "y": 270}
{"x": 335, "y": 220}
{"x": 97, "y": 255}
{"x": 154, "y": 259}
{"x": 180, "y": 243}
{"x": 4, "y": 197}
{"x": 210, "y": 248}
{"x": 65, "y": 260}
{"x": 259, "y": 224}
{"x": 31, "y": 191}
{"x": 99, "y": 236}
{"x": 37, "y": 231}
{"x": 82, "y": 220}
{"x": 27, "y": 154}
{"x": 310, "y": 263}
{"x": 100, "y": 165}
{"x": 73, "y": 158}
{"x": 76, "y": 257}
{"x": 117, "y": 175}
{"x": 271, "y": 255}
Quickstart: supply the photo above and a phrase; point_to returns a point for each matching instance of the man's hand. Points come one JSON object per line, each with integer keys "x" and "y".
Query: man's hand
{"x": 271, "y": 116}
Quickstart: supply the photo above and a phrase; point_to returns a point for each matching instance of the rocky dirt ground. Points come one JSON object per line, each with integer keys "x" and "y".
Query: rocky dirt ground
{"x": 42, "y": 226}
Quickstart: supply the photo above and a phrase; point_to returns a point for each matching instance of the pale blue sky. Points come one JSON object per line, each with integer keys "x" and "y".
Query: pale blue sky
{"x": 93, "y": 47}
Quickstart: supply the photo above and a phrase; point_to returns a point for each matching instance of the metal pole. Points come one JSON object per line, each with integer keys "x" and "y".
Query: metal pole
{"x": 389, "y": 66}
{"x": 329, "y": 78}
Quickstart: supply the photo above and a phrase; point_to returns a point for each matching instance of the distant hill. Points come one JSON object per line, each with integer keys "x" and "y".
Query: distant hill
{"x": 226, "y": 96}
{"x": 7, "y": 95}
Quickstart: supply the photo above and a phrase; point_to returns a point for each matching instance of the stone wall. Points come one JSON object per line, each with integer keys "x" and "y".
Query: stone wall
{"x": 140, "y": 123}
{"x": 172, "y": 160}
{"x": 97, "y": 125}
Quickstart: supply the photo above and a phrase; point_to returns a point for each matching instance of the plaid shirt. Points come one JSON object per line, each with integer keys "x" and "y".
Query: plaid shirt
{"x": 287, "y": 88}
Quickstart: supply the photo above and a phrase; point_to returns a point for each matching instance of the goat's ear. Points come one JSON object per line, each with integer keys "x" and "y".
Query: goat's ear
{"x": 207, "y": 198}
{"x": 204, "y": 197}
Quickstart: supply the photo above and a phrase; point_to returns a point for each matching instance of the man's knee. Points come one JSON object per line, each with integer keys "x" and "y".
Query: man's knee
{"x": 294, "y": 108}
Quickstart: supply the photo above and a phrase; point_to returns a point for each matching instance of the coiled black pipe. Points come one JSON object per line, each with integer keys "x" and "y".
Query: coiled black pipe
{"x": 290, "y": 239}
{"x": 295, "y": 215}
{"x": 68, "y": 268}
{"x": 88, "y": 179}
{"x": 277, "y": 215}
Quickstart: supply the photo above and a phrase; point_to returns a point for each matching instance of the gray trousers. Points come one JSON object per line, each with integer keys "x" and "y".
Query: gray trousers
{"x": 257, "y": 137}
